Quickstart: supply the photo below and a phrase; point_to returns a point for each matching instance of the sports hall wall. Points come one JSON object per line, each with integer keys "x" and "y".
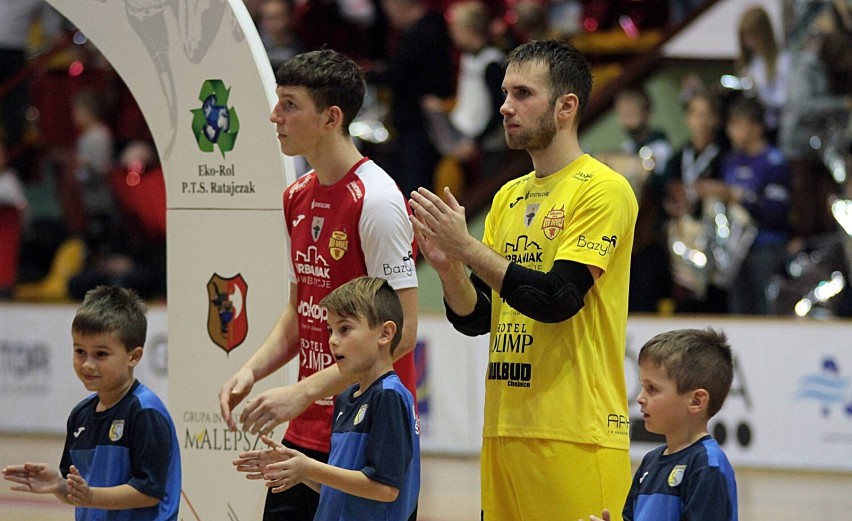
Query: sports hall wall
{"x": 790, "y": 406}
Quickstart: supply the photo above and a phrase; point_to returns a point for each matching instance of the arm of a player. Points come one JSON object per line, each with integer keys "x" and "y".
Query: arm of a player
{"x": 120, "y": 497}
{"x": 36, "y": 478}
{"x": 280, "y": 346}
{"x": 329, "y": 381}
{"x": 299, "y": 468}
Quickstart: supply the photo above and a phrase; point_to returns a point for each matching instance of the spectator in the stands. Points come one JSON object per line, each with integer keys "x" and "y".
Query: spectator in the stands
{"x": 94, "y": 153}
{"x": 472, "y": 132}
{"x": 700, "y": 157}
{"x": 817, "y": 114}
{"x": 276, "y": 31}
{"x": 135, "y": 255}
{"x": 420, "y": 65}
{"x": 650, "y": 279}
{"x": 764, "y": 62}
{"x": 756, "y": 176}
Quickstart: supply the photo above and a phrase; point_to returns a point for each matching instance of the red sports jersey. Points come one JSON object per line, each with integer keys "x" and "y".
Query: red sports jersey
{"x": 357, "y": 226}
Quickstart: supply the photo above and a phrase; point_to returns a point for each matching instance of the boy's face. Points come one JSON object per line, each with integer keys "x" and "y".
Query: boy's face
{"x": 297, "y": 121}
{"x": 742, "y": 132}
{"x": 103, "y": 364}
{"x": 529, "y": 117}
{"x": 356, "y": 346}
{"x": 701, "y": 119}
{"x": 663, "y": 408}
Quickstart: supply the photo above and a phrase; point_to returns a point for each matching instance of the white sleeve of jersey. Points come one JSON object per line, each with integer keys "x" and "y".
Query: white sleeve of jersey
{"x": 386, "y": 233}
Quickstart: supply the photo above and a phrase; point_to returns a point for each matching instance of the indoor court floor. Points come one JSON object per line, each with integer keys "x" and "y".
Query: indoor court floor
{"x": 450, "y": 489}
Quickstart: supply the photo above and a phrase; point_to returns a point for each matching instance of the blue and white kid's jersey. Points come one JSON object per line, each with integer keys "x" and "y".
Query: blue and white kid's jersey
{"x": 696, "y": 483}
{"x": 376, "y": 433}
{"x": 134, "y": 443}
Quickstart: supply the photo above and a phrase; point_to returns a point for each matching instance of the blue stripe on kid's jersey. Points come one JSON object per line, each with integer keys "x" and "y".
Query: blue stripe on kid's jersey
{"x": 112, "y": 462}
{"x": 657, "y": 506}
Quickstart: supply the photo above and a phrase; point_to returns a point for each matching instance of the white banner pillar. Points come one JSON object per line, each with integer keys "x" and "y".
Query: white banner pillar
{"x": 202, "y": 79}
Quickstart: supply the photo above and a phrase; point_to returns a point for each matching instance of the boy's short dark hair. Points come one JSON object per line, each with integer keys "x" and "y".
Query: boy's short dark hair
{"x": 746, "y": 107}
{"x": 694, "y": 359}
{"x": 331, "y": 79}
{"x": 569, "y": 70}
{"x": 367, "y": 297}
{"x": 110, "y": 309}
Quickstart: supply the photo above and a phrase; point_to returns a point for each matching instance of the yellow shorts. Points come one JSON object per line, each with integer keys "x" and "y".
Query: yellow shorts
{"x": 526, "y": 479}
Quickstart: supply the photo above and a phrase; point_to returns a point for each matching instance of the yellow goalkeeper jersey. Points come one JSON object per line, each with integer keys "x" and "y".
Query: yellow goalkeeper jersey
{"x": 563, "y": 381}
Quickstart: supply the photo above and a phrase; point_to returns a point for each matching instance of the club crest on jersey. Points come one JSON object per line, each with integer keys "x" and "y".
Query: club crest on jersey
{"x": 553, "y": 223}
{"x": 529, "y": 214}
{"x": 116, "y": 430}
{"x": 338, "y": 244}
{"x": 227, "y": 321}
{"x": 359, "y": 416}
{"x": 676, "y": 475}
{"x": 316, "y": 228}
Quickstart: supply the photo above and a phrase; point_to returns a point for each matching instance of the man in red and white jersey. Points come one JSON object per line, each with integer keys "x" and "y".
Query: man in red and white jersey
{"x": 344, "y": 219}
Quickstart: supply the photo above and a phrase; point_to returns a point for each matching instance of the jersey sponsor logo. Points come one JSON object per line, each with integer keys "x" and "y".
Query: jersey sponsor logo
{"x": 553, "y": 222}
{"x": 338, "y": 244}
{"x": 676, "y": 475}
{"x": 515, "y": 374}
{"x": 618, "y": 424}
{"x": 317, "y": 204}
{"x": 312, "y": 268}
{"x": 312, "y": 310}
{"x": 520, "y": 253}
{"x": 516, "y": 201}
{"x": 582, "y": 176}
{"x": 407, "y": 266}
{"x": 416, "y": 420}
{"x": 603, "y": 247}
{"x": 227, "y": 319}
{"x": 643, "y": 477}
{"x": 529, "y": 214}
{"x": 298, "y": 185}
{"x": 511, "y": 342}
{"x": 316, "y": 227}
{"x": 359, "y": 416}
{"x": 312, "y": 354}
{"x": 298, "y": 219}
{"x": 116, "y": 430}
{"x": 78, "y": 432}
{"x": 355, "y": 190}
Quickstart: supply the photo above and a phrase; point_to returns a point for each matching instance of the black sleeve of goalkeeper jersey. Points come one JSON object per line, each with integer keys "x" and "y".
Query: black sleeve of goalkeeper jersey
{"x": 547, "y": 297}
{"x": 479, "y": 321}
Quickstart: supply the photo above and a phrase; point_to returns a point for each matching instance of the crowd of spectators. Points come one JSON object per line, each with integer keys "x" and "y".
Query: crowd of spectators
{"x": 436, "y": 65}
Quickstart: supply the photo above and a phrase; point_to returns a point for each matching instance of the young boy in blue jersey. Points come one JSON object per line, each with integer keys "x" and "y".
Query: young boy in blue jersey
{"x": 373, "y": 470}
{"x": 686, "y": 375}
{"x": 121, "y": 458}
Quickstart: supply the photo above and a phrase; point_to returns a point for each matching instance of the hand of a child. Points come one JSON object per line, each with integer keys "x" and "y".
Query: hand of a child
{"x": 288, "y": 473}
{"x": 604, "y": 516}
{"x": 254, "y": 462}
{"x": 37, "y": 478}
{"x": 77, "y": 489}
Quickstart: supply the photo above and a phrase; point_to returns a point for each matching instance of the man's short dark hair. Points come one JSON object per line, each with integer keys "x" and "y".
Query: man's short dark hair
{"x": 331, "y": 79}
{"x": 569, "y": 70}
